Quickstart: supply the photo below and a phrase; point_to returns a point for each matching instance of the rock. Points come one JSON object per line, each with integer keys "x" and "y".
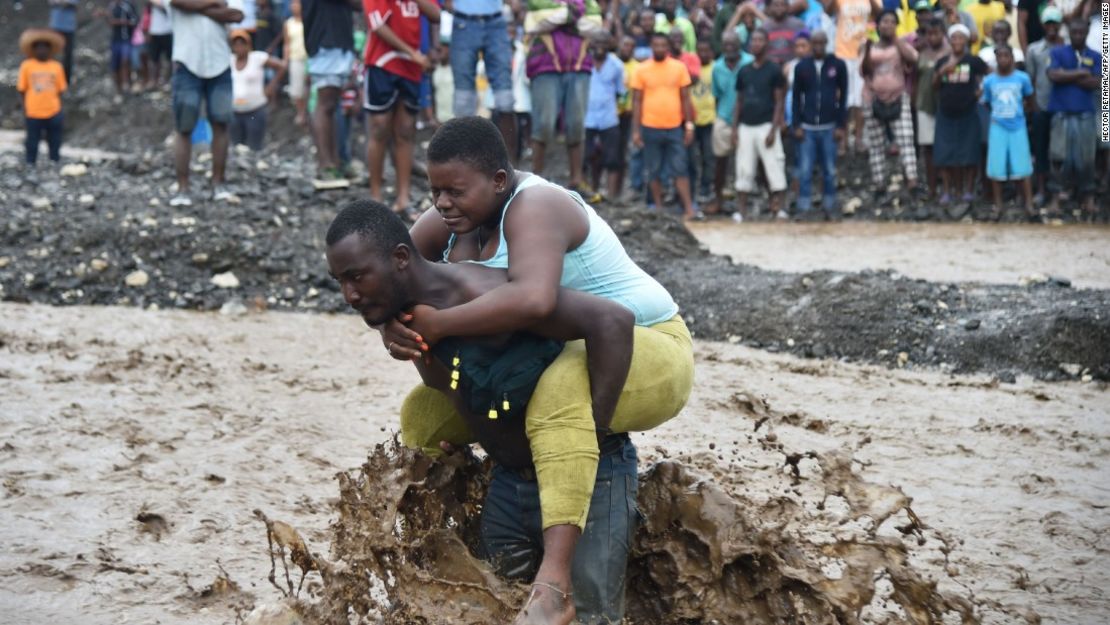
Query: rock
{"x": 1007, "y": 377}
{"x": 5, "y": 261}
{"x": 233, "y": 308}
{"x": 903, "y": 358}
{"x": 852, "y": 205}
{"x": 87, "y": 199}
{"x": 1035, "y": 278}
{"x": 137, "y": 278}
{"x": 1060, "y": 281}
{"x": 1071, "y": 368}
{"x": 226, "y": 280}
{"x": 972, "y": 324}
{"x": 74, "y": 170}
{"x": 200, "y": 258}
{"x": 40, "y": 203}
{"x": 98, "y": 264}
{"x": 281, "y": 613}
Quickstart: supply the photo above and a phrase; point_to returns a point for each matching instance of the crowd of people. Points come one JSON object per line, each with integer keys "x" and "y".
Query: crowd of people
{"x": 697, "y": 105}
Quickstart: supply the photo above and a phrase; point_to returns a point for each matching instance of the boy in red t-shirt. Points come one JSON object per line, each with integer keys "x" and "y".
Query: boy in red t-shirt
{"x": 394, "y": 67}
{"x": 42, "y": 82}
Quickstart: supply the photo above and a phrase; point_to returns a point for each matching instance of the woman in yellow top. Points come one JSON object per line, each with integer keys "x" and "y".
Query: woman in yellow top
{"x": 705, "y": 111}
{"x": 42, "y": 82}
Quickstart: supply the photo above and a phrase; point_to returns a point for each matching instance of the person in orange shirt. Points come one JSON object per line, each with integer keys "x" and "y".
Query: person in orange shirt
{"x": 663, "y": 120}
{"x": 42, "y": 82}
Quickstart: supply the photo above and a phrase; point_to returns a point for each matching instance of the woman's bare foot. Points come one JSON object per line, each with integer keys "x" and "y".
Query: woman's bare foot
{"x": 546, "y": 605}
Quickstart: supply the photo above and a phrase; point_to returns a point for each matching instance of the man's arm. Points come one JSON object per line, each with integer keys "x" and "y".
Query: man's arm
{"x": 1023, "y": 33}
{"x": 908, "y": 52}
{"x": 387, "y": 35}
{"x": 637, "y": 111}
{"x": 195, "y": 6}
{"x": 223, "y": 14}
{"x": 430, "y": 9}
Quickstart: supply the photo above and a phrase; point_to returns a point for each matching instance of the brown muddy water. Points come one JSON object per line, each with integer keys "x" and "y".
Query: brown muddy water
{"x": 137, "y": 444}
{"x": 941, "y": 252}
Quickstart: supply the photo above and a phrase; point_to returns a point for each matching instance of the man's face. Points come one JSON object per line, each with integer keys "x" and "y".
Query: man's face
{"x": 599, "y": 49}
{"x": 935, "y": 38}
{"x": 669, "y": 8}
{"x": 660, "y": 48}
{"x": 1000, "y": 33}
{"x": 730, "y": 48}
{"x": 1005, "y": 59}
{"x": 677, "y": 40}
{"x": 647, "y": 21}
{"x": 923, "y": 17}
{"x": 757, "y": 44}
{"x": 820, "y": 44}
{"x": 628, "y": 46}
{"x": 888, "y": 26}
{"x": 1077, "y": 34}
{"x": 777, "y": 9}
{"x": 1052, "y": 30}
{"x": 705, "y": 52}
{"x": 803, "y": 49}
{"x": 370, "y": 281}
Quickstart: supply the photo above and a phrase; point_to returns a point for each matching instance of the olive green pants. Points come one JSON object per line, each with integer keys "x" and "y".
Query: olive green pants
{"x": 559, "y": 420}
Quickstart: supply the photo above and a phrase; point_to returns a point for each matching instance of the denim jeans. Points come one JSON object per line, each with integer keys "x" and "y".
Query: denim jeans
{"x": 817, "y": 144}
{"x": 554, "y": 93}
{"x": 52, "y": 126}
{"x": 490, "y": 36}
{"x": 190, "y": 92}
{"x": 664, "y": 153}
{"x": 512, "y": 532}
{"x": 1072, "y": 145}
{"x": 700, "y": 160}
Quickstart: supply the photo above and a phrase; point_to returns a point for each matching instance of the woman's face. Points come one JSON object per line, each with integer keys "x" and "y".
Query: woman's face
{"x": 465, "y": 197}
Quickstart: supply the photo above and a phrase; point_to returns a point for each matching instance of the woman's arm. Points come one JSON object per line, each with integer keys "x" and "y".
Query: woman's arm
{"x": 543, "y": 224}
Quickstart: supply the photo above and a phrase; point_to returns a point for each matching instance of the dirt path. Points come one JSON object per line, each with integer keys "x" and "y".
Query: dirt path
{"x": 136, "y": 444}
{"x": 995, "y": 253}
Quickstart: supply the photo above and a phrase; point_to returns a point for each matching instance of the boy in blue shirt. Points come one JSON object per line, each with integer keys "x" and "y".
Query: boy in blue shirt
{"x": 1008, "y": 92}
{"x": 1075, "y": 72}
{"x": 603, "y": 133}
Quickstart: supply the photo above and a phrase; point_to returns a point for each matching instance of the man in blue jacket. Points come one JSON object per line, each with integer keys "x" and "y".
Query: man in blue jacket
{"x": 819, "y": 118}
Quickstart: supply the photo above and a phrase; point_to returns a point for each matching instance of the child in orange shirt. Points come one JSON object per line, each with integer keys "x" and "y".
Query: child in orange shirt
{"x": 42, "y": 81}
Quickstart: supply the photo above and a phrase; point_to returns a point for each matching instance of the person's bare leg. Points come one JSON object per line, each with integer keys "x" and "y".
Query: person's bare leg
{"x": 323, "y": 122}
{"x": 380, "y": 129}
{"x": 545, "y": 605}
{"x": 857, "y": 119}
{"x": 574, "y": 157}
{"x": 219, "y": 152}
{"x": 776, "y": 203}
{"x": 613, "y": 181}
{"x": 742, "y": 203}
{"x": 538, "y": 149}
{"x": 656, "y": 187}
{"x": 182, "y": 154}
{"x": 720, "y": 173}
{"x": 996, "y": 196}
{"x": 506, "y": 123}
{"x": 945, "y": 182}
{"x": 404, "y": 134}
{"x": 682, "y": 186}
{"x": 930, "y": 170}
{"x": 1027, "y": 194}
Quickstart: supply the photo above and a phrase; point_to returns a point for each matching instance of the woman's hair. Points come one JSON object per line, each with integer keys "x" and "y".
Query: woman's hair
{"x": 472, "y": 140}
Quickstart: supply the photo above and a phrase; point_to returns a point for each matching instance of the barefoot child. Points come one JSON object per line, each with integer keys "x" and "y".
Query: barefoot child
{"x": 1007, "y": 93}
{"x": 42, "y": 82}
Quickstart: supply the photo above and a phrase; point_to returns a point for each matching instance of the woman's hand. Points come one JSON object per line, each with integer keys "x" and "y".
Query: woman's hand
{"x": 422, "y": 321}
{"x": 402, "y": 342}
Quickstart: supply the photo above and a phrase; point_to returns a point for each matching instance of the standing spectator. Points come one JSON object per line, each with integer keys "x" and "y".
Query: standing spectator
{"x": 950, "y": 13}
{"x": 935, "y": 46}
{"x": 725, "y": 72}
{"x": 663, "y": 120}
{"x": 479, "y": 28}
{"x": 202, "y": 75}
{"x": 956, "y": 152}
{"x": 329, "y": 41}
{"x": 689, "y": 59}
{"x": 559, "y": 68}
{"x": 701, "y": 161}
{"x": 851, "y": 18}
{"x": 42, "y": 82}
{"x": 999, "y": 36}
{"x": 781, "y": 29}
{"x": 820, "y": 116}
{"x": 923, "y": 15}
{"x": 249, "y": 92}
{"x": 63, "y": 19}
{"x": 985, "y": 13}
{"x": 667, "y": 19}
{"x": 757, "y": 122}
{"x": 443, "y": 85}
{"x": 886, "y": 102}
{"x": 522, "y": 97}
{"x": 641, "y": 33}
{"x": 1037, "y": 64}
{"x": 296, "y": 58}
{"x": 602, "y": 124}
{"x": 122, "y": 20}
{"x": 267, "y": 27}
{"x": 160, "y": 44}
{"x": 1007, "y": 92}
{"x": 1075, "y": 72}
{"x": 624, "y": 104}
{"x": 391, "y": 83}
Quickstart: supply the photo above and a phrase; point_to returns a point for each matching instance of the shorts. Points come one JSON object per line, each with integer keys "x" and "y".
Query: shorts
{"x": 159, "y": 47}
{"x": 381, "y": 91}
{"x": 298, "y": 78}
{"x": 751, "y": 149}
{"x": 191, "y": 91}
{"x": 1008, "y": 156}
{"x": 121, "y": 53}
{"x": 855, "y": 83}
{"x": 956, "y": 143}
{"x": 553, "y": 93}
{"x": 608, "y": 143}
{"x": 722, "y": 138}
{"x": 664, "y": 153}
{"x": 330, "y": 67}
{"x": 926, "y": 128}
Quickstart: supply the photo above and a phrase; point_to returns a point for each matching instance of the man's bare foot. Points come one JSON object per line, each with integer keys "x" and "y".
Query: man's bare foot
{"x": 546, "y": 605}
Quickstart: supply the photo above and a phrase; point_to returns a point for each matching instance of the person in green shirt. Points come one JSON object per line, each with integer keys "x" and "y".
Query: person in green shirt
{"x": 666, "y": 20}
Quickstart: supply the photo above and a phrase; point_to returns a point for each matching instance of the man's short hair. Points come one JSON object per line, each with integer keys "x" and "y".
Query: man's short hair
{"x": 472, "y": 140}
{"x": 935, "y": 23}
{"x": 886, "y": 12}
{"x": 374, "y": 222}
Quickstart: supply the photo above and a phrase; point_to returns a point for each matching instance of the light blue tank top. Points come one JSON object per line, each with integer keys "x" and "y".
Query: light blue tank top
{"x": 600, "y": 265}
